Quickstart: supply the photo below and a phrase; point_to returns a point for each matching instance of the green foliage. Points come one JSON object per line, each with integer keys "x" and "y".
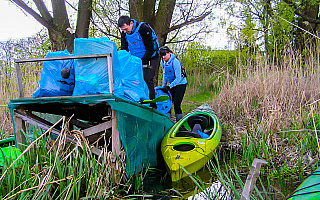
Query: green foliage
{"x": 273, "y": 26}
{"x": 206, "y": 69}
{"x": 247, "y": 37}
{"x": 281, "y": 34}
{"x": 61, "y": 170}
{"x": 199, "y": 58}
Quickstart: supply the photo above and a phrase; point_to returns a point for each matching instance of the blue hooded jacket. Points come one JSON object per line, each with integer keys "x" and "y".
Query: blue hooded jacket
{"x": 172, "y": 72}
{"x": 135, "y": 41}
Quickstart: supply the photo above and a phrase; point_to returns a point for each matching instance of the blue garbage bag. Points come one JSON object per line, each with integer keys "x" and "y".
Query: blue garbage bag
{"x": 91, "y": 75}
{"x": 131, "y": 77}
{"x": 57, "y": 76}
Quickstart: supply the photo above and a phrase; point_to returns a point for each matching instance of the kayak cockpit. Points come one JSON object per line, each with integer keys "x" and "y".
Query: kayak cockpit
{"x": 199, "y": 126}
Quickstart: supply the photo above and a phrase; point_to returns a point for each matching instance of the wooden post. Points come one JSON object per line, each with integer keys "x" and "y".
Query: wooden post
{"x": 19, "y": 80}
{"x": 20, "y": 129}
{"x": 116, "y": 144}
{"x": 110, "y": 71}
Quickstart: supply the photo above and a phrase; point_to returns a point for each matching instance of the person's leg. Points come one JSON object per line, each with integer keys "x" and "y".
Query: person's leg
{"x": 148, "y": 75}
{"x": 173, "y": 94}
{"x": 178, "y": 97}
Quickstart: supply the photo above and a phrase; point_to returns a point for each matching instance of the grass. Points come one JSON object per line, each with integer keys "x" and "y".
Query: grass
{"x": 55, "y": 169}
{"x": 268, "y": 111}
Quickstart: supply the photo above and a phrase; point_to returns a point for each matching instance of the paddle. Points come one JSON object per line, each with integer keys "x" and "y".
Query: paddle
{"x": 158, "y": 99}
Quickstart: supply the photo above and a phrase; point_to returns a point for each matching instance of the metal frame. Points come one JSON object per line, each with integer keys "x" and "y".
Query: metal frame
{"x": 21, "y": 117}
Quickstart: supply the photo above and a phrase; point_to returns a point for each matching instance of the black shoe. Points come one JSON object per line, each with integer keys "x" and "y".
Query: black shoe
{"x": 153, "y": 105}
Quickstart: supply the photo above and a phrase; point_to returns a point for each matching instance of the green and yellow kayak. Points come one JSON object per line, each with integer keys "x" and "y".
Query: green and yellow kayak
{"x": 309, "y": 189}
{"x": 190, "y": 143}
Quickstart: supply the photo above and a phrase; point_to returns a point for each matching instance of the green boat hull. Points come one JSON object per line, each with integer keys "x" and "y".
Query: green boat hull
{"x": 309, "y": 189}
{"x": 187, "y": 153}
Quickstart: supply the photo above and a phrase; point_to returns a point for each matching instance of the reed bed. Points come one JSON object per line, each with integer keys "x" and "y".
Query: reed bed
{"x": 55, "y": 169}
{"x": 8, "y": 90}
{"x": 270, "y": 111}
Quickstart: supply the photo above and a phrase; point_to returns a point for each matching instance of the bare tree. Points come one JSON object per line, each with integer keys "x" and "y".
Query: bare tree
{"x": 169, "y": 18}
{"x": 58, "y": 23}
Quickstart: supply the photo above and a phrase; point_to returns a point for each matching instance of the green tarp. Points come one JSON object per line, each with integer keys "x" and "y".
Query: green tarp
{"x": 141, "y": 128}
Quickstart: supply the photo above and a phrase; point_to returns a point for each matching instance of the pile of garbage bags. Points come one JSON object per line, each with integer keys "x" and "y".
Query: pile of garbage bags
{"x": 90, "y": 76}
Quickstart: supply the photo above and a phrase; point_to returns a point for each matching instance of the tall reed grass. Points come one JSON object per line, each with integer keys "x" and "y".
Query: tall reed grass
{"x": 270, "y": 110}
{"x": 55, "y": 169}
{"x": 8, "y": 90}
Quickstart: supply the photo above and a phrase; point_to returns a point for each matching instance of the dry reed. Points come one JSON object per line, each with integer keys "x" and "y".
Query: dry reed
{"x": 267, "y": 99}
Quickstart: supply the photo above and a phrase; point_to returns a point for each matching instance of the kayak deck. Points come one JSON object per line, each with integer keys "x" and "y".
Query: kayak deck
{"x": 190, "y": 144}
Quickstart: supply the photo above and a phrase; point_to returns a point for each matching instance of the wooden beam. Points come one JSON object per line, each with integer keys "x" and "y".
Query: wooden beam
{"x": 110, "y": 73}
{"x": 63, "y": 58}
{"x": 42, "y": 125}
{"x": 116, "y": 143}
{"x": 96, "y": 129}
{"x": 20, "y": 118}
{"x": 96, "y": 151}
{"x": 20, "y": 129}
{"x": 79, "y": 124}
{"x": 18, "y": 73}
{"x": 19, "y": 80}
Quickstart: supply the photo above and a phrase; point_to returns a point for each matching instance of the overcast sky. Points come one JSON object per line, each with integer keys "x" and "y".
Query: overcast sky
{"x": 16, "y": 24}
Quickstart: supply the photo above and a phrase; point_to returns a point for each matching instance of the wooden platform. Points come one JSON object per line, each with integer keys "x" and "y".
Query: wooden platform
{"x": 140, "y": 128}
{"x": 98, "y": 116}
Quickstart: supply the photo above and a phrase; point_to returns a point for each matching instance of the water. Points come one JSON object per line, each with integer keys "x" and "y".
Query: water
{"x": 160, "y": 185}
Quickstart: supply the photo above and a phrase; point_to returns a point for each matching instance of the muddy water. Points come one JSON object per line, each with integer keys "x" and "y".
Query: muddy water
{"x": 160, "y": 185}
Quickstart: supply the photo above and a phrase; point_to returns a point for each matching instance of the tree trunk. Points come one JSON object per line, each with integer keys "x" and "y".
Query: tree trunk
{"x": 83, "y": 20}
{"x": 304, "y": 39}
{"x": 144, "y": 11}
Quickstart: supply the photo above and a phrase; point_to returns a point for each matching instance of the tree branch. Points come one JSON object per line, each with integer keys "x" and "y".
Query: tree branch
{"x": 190, "y": 38}
{"x": 104, "y": 32}
{"x": 34, "y": 14}
{"x": 43, "y": 10}
{"x": 188, "y": 22}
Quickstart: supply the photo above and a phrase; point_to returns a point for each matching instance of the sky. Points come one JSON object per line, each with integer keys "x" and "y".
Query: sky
{"x": 16, "y": 24}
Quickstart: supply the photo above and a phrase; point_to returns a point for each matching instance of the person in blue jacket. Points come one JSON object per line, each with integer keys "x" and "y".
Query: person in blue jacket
{"x": 174, "y": 74}
{"x": 141, "y": 41}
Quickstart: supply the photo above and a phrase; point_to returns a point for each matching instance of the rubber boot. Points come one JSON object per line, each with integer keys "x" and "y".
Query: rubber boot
{"x": 178, "y": 117}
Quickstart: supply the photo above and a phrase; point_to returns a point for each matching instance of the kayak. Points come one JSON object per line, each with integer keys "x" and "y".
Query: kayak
{"x": 190, "y": 143}
{"x": 309, "y": 189}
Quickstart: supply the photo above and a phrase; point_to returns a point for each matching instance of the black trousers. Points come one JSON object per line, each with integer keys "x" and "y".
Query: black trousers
{"x": 177, "y": 94}
{"x": 148, "y": 75}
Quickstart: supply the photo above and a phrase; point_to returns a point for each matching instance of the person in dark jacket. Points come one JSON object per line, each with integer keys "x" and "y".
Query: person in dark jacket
{"x": 174, "y": 74}
{"x": 141, "y": 41}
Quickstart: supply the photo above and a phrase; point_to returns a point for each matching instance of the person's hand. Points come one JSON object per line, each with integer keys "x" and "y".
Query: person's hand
{"x": 166, "y": 89}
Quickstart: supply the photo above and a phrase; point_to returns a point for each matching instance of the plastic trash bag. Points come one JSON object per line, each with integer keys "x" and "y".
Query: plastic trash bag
{"x": 57, "y": 76}
{"x": 91, "y": 75}
{"x": 131, "y": 77}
